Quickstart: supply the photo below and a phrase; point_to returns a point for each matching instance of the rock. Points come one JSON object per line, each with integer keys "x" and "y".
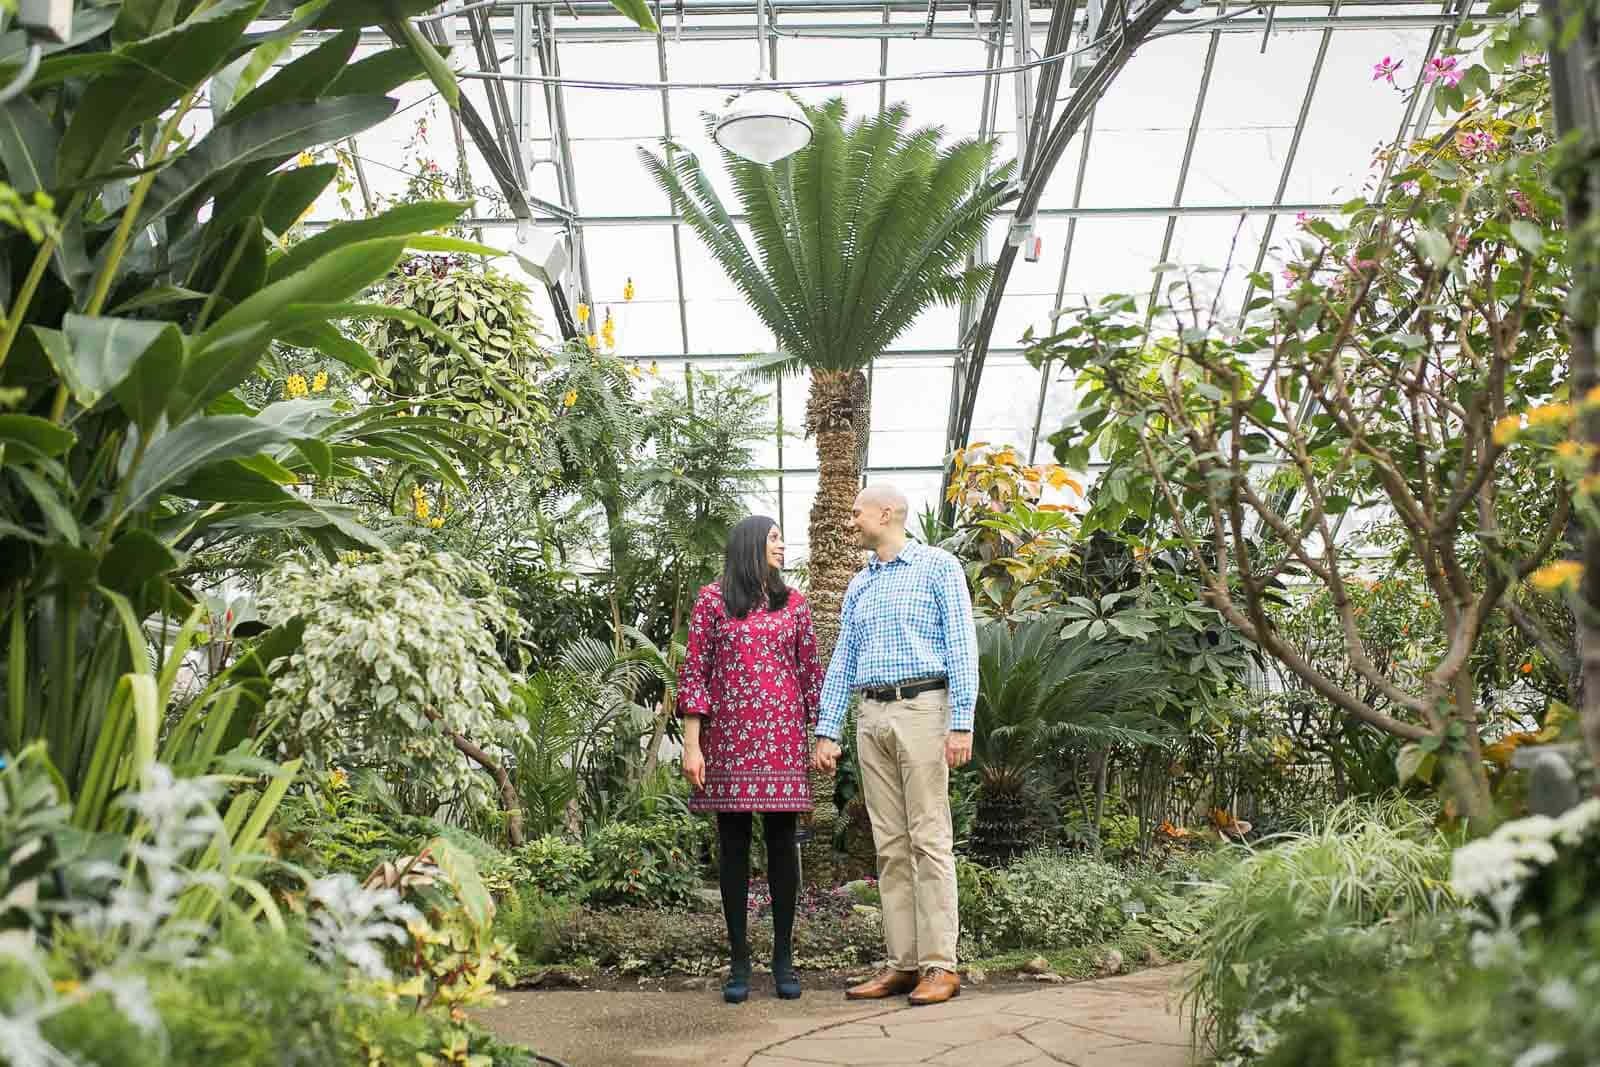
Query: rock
{"x": 1049, "y": 977}
{"x": 556, "y": 978}
{"x": 1037, "y": 965}
{"x": 1153, "y": 957}
{"x": 977, "y": 975}
{"x": 699, "y": 984}
{"x": 867, "y": 911}
{"x": 706, "y": 899}
{"x": 1111, "y": 963}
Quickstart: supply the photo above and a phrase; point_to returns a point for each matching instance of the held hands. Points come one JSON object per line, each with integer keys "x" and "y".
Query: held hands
{"x": 694, "y": 767}
{"x": 957, "y": 748}
{"x": 825, "y": 756}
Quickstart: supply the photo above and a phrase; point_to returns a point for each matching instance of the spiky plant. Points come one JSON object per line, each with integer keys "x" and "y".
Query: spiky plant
{"x": 853, "y": 236}
{"x": 1037, "y": 691}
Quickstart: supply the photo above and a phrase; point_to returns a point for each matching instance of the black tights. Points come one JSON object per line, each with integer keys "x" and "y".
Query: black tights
{"x": 783, "y": 874}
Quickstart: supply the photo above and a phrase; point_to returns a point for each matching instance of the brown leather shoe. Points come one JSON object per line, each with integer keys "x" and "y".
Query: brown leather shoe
{"x": 937, "y": 986}
{"x": 889, "y": 982}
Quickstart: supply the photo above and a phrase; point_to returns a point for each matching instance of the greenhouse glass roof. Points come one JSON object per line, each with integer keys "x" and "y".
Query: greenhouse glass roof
{"x": 1224, "y": 125}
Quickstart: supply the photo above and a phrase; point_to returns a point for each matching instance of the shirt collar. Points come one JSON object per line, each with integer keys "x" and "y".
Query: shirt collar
{"x": 907, "y": 554}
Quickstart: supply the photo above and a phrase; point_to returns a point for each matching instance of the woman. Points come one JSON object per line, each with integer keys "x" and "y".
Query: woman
{"x": 748, "y": 690}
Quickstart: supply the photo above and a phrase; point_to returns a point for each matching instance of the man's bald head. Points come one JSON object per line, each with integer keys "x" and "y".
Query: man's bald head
{"x": 878, "y": 519}
{"x": 886, "y": 497}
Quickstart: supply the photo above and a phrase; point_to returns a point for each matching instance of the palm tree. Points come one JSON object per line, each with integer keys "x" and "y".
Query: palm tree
{"x": 1038, "y": 691}
{"x": 854, "y": 236}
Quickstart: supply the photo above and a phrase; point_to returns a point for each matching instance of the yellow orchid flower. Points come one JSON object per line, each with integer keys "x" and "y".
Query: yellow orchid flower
{"x": 627, "y": 290}
{"x": 583, "y": 313}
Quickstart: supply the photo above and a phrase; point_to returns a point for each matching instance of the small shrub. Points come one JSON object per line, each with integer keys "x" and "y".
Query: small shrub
{"x": 556, "y": 867}
{"x": 532, "y": 921}
{"x": 1048, "y": 899}
{"x": 655, "y": 941}
{"x": 648, "y": 863}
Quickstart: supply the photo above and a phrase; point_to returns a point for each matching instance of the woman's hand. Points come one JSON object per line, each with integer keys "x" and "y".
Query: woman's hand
{"x": 694, "y": 766}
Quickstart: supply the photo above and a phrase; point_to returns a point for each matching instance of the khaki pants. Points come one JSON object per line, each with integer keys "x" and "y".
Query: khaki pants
{"x": 906, "y": 782}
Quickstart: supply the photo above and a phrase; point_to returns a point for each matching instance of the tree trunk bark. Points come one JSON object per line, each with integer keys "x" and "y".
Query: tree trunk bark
{"x": 511, "y": 803}
{"x": 1575, "y": 90}
{"x": 831, "y": 415}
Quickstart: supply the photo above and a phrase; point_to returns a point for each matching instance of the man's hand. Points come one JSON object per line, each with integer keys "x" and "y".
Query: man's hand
{"x": 957, "y": 747}
{"x": 825, "y": 756}
{"x": 694, "y": 767}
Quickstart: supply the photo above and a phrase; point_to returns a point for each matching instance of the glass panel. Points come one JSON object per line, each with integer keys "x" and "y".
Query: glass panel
{"x": 604, "y": 112}
{"x": 910, "y": 408}
{"x": 613, "y": 181}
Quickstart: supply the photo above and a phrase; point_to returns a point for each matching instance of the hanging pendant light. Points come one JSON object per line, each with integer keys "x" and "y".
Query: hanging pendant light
{"x": 762, "y": 125}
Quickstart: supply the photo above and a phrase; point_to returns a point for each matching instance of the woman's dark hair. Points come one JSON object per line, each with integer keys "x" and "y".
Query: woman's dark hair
{"x": 747, "y": 579}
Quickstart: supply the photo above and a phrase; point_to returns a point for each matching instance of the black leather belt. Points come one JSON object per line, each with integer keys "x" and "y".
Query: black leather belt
{"x": 904, "y": 691}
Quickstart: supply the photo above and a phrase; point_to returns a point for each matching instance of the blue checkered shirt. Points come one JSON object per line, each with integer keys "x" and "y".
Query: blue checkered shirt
{"x": 906, "y": 619}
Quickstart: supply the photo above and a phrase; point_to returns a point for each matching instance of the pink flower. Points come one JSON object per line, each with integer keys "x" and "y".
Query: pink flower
{"x": 1303, "y": 219}
{"x": 1386, "y": 69}
{"x": 1410, "y": 188}
{"x": 1461, "y": 242}
{"x": 1523, "y": 204}
{"x": 1290, "y": 275}
{"x": 1476, "y": 143}
{"x": 1442, "y": 69}
{"x": 1359, "y": 265}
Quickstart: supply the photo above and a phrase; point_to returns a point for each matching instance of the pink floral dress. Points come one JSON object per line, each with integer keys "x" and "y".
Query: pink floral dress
{"x": 756, "y": 684}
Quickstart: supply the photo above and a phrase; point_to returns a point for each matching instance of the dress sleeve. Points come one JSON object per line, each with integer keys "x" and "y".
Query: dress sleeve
{"x": 807, "y": 668}
{"x": 694, "y": 675}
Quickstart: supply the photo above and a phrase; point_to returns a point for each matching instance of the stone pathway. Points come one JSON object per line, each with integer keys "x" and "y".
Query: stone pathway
{"x": 1127, "y": 1021}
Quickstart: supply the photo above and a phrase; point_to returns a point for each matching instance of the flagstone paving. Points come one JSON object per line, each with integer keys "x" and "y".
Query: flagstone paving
{"x": 1127, "y": 1021}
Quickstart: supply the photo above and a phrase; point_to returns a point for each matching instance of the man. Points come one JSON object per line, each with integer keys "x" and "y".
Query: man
{"x": 907, "y": 644}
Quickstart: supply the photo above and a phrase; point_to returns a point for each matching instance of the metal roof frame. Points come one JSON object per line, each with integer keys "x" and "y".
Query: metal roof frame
{"x": 517, "y": 44}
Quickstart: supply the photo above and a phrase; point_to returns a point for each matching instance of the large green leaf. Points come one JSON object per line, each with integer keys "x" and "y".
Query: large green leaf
{"x": 231, "y": 481}
{"x": 405, "y": 220}
{"x": 380, "y": 73}
{"x": 223, "y": 364}
{"x": 354, "y": 14}
{"x": 27, "y": 146}
{"x": 171, "y": 64}
{"x": 326, "y": 338}
{"x": 135, "y": 558}
{"x": 146, "y": 391}
{"x": 27, "y": 436}
{"x": 193, "y": 445}
{"x": 280, "y": 131}
{"x": 335, "y": 276}
{"x": 404, "y": 31}
{"x": 56, "y": 514}
{"x": 639, "y": 11}
{"x": 99, "y": 352}
{"x": 306, "y": 79}
{"x": 293, "y": 193}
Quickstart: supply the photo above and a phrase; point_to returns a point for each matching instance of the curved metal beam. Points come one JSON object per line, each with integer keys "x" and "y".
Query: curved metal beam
{"x": 1128, "y": 34}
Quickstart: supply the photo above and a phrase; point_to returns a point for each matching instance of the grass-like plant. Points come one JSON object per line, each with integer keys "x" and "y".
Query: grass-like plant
{"x": 1265, "y": 921}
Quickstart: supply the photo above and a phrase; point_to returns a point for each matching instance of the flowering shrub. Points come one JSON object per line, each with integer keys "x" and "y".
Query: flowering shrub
{"x": 654, "y": 863}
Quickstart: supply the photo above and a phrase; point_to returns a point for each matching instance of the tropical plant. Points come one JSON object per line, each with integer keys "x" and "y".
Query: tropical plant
{"x": 1393, "y": 367}
{"x": 400, "y": 668}
{"x": 1039, "y": 691}
{"x": 133, "y": 322}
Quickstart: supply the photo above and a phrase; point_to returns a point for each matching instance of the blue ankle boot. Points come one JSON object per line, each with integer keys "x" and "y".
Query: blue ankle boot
{"x": 736, "y": 990}
{"x": 784, "y": 980}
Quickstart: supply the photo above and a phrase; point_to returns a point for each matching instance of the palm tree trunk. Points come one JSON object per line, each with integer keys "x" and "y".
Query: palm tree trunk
{"x": 832, "y": 414}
